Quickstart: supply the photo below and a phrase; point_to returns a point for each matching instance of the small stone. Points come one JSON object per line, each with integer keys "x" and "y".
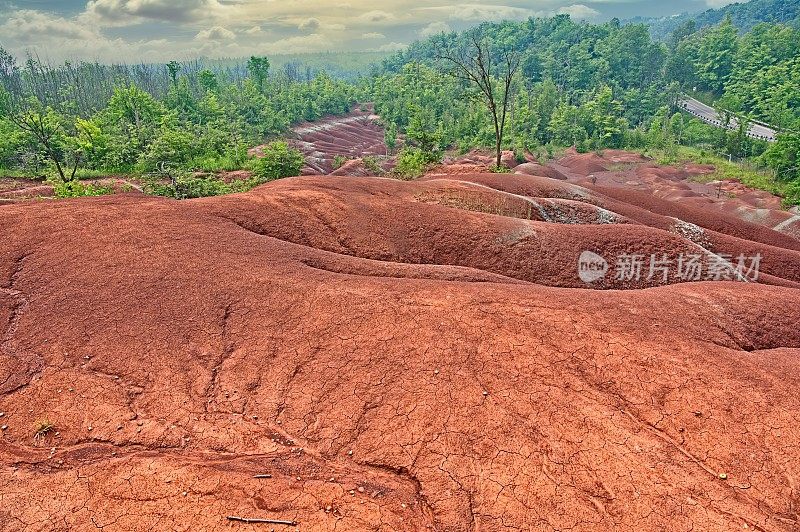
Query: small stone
{"x": 331, "y": 479}
{"x": 485, "y": 393}
{"x": 328, "y": 508}
{"x": 2, "y": 414}
{"x": 352, "y": 492}
{"x": 72, "y": 389}
{"x": 89, "y": 428}
{"x": 87, "y": 357}
{"x": 278, "y": 422}
{"x": 184, "y": 494}
{"x": 58, "y": 433}
{"x": 350, "y": 452}
{"x": 298, "y": 478}
{"x": 4, "y": 427}
{"x": 723, "y": 476}
{"x": 436, "y": 372}
{"x": 698, "y": 413}
{"x": 403, "y": 506}
{"x": 361, "y": 489}
{"x": 119, "y": 427}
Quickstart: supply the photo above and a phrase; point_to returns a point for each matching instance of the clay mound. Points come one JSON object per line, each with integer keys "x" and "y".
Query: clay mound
{"x": 679, "y": 185}
{"x": 354, "y": 135}
{"x": 699, "y": 215}
{"x": 583, "y": 163}
{"x": 532, "y": 168}
{"x": 625, "y": 157}
{"x": 311, "y": 333}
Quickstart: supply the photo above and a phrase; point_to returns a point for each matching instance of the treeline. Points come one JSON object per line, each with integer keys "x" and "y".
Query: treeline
{"x": 605, "y": 86}
{"x": 78, "y": 118}
{"x": 744, "y": 16}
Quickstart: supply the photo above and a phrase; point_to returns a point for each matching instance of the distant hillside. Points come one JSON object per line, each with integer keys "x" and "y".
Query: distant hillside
{"x": 339, "y": 65}
{"x": 744, "y": 16}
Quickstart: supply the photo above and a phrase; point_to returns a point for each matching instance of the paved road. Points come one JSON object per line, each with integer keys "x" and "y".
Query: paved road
{"x": 710, "y": 116}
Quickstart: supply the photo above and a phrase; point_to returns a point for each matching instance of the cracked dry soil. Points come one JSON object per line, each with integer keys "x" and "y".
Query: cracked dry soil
{"x": 393, "y": 359}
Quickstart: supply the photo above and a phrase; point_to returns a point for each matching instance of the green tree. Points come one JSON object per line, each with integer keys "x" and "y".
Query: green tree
{"x": 259, "y": 70}
{"x": 715, "y": 56}
{"x": 278, "y": 160}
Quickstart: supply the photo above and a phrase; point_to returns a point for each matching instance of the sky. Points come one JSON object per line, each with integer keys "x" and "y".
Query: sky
{"x": 162, "y": 30}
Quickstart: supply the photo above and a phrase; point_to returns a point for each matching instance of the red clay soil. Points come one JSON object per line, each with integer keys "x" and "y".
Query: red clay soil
{"x": 395, "y": 355}
{"x": 354, "y": 135}
{"x": 685, "y": 185}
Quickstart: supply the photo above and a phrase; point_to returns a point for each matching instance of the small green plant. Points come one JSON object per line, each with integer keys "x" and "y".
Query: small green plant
{"x": 338, "y": 161}
{"x": 77, "y": 189}
{"x": 502, "y": 169}
{"x": 371, "y": 163}
{"x": 412, "y": 162}
{"x": 278, "y": 161}
{"x": 41, "y": 428}
{"x": 390, "y": 138}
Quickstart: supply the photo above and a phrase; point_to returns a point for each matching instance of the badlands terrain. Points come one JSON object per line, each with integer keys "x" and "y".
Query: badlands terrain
{"x": 351, "y": 352}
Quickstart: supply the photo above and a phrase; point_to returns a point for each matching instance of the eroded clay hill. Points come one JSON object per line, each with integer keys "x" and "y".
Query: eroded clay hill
{"x": 395, "y": 356}
{"x": 350, "y": 137}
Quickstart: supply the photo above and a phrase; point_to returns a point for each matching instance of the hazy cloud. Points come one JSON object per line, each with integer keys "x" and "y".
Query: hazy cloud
{"x": 151, "y": 30}
{"x": 216, "y": 34}
{"x": 310, "y": 24}
{"x": 579, "y": 12}
{"x": 434, "y": 28}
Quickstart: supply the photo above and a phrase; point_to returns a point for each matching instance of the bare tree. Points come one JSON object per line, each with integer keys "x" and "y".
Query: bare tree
{"x": 492, "y": 71}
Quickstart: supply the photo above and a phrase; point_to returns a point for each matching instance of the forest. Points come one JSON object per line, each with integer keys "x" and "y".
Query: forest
{"x": 87, "y": 119}
{"x": 550, "y": 83}
{"x": 603, "y": 86}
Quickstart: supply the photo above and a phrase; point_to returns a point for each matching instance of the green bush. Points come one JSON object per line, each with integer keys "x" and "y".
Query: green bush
{"x": 76, "y": 189}
{"x": 279, "y": 160}
{"x": 372, "y": 164}
{"x": 172, "y": 147}
{"x": 338, "y": 161}
{"x": 413, "y": 161}
{"x": 502, "y": 169}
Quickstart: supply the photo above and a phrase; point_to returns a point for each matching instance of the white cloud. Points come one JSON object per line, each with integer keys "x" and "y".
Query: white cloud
{"x": 376, "y": 17}
{"x": 310, "y": 24}
{"x": 478, "y": 12}
{"x": 216, "y": 34}
{"x": 578, "y": 12}
{"x": 373, "y": 35}
{"x": 30, "y": 27}
{"x": 126, "y": 12}
{"x": 434, "y": 28}
{"x": 391, "y": 47}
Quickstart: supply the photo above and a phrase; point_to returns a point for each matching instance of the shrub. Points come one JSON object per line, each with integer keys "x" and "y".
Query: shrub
{"x": 371, "y": 163}
{"x": 412, "y": 162}
{"x": 502, "y": 169}
{"x": 76, "y": 189}
{"x": 41, "y": 428}
{"x": 279, "y": 161}
{"x": 338, "y": 161}
{"x": 172, "y": 147}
